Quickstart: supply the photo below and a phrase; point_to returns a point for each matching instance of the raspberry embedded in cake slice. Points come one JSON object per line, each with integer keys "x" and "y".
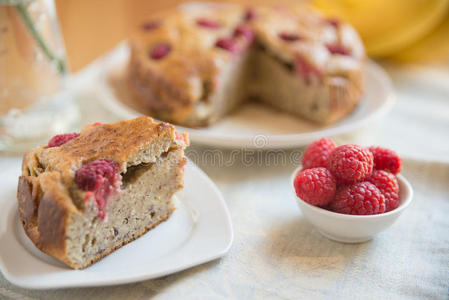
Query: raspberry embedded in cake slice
{"x": 60, "y": 139}
{"x": 111, "y": 183}
{"x": 101, "y": 179}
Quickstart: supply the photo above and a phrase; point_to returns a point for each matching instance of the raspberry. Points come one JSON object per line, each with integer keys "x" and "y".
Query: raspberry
{"x": 289, "y": 37}
{"x": 228, "y": 44}
{"x": 338, "y": 49}
{"x": 245, "y": 31}
{"x": 249, "y": 14}
{"x": 98, "y": 178}
{"x": 208, "y": 23}
{"x": 317, "y": 153}
{"x": 88, "y": 176}
{"x": 333, "y": 22}
{"x": 150, "y": 25}
{"x": 388, "y": 186}
{"x": 386, "y": 159}
{"x": 160, "y": 50}
{"x": 306, "y": 70}
{"x": 350, "y": 163}
{"x": 315, "y": 186}
{"x": 61, "y": 139}
{"x": 362, "y": 198}
{"x": 182, "y": 137}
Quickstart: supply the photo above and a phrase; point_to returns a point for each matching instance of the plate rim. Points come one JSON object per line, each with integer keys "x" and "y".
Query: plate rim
{"x": 9, "y": 212}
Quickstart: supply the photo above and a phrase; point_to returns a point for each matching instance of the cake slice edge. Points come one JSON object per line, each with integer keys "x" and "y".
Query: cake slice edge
{"x": 48, "y": 212}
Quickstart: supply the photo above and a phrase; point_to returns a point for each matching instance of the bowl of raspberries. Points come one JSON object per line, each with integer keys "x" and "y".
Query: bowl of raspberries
{"x": 349, "y": 192}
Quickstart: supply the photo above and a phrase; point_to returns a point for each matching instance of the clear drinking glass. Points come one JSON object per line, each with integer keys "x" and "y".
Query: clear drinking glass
{"x": 34, "y": 101}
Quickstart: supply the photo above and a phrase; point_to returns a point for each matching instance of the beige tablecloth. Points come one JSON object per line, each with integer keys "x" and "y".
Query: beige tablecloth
{"x": 277, "y": 254}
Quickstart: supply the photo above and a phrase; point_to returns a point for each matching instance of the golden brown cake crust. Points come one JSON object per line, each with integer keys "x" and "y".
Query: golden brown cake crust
{"x": 44, "y": 215}
{"x": 116, "y": 141}
{"x": 344, "y": 96}
{"x": 46, "y": 188}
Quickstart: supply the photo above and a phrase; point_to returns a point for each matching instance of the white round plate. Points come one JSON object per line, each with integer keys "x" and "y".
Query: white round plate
{"x": 252, "y": 126}
{"x": 199, "y": 230}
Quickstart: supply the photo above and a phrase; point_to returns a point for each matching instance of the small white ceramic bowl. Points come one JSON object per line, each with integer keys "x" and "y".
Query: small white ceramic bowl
{"x": 353, "y": 228}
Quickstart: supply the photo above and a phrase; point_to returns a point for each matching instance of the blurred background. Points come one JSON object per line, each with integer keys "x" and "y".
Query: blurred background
{"x": 411, "y": 31}
{"x": 408, "y": 38}
{"x": 41, "y": 41}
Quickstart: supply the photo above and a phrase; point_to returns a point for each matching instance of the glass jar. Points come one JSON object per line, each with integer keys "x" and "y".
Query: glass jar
{"x": 34, "y": 103}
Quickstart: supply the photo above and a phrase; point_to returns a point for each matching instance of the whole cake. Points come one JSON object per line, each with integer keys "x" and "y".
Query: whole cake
{"x": 194, "y": 64}
{"x": 84, "y": 195}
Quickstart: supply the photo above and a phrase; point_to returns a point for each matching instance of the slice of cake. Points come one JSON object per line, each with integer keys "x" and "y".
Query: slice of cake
{"x": 84, "y": 195}
{"x": 193, "y": 65}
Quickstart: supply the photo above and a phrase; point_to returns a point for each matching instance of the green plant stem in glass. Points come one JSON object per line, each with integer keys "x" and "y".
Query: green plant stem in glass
{"x": 60, "y": 63}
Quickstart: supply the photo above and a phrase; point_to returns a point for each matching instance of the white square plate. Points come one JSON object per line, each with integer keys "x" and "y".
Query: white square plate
{"x": 199, "y": 230}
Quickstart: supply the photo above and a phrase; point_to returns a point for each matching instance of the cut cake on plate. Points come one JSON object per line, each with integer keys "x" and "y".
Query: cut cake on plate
{"x": 194, "y": 64}
{"x": 84, "y": 195}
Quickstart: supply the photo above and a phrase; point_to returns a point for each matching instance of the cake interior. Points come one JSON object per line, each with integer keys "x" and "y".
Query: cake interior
{"x": 144, "y": 200}
{"x": 258, "y": 74}
{"x": 275, "y": 82}
{"x": 233, "y": 83}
